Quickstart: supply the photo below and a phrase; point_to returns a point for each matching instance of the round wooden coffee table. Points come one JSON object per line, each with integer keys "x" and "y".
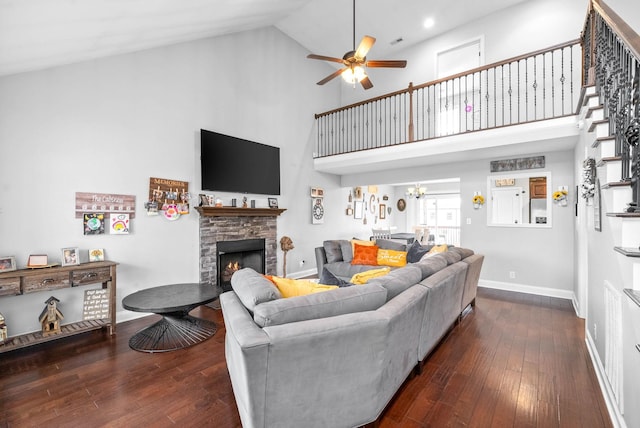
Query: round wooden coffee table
{"x": 177, "y": 329}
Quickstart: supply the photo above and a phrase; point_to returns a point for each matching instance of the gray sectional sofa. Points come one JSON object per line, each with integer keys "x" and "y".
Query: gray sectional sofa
{"x": 336, "y": 358}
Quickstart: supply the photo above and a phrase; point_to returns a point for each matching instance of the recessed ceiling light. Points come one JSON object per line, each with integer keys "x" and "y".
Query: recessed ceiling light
{"x": 428, "y": 23}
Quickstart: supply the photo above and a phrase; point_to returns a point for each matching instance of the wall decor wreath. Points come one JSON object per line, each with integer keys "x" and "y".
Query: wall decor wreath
{"x": 587, "y": 187}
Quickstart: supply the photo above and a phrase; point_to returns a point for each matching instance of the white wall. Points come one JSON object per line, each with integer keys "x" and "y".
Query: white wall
{"x": 108, "y": 125}
{"x": 629, "y": 11}
{"x": 525, "y": 27}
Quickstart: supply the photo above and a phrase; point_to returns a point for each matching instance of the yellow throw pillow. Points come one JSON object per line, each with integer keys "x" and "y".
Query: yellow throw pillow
{"x": 360, "y": 242}
{"x": 392, "y": 258}
{"x": 435, "y": 250}
{"x": 363, "y": 277}
{"x": 438, "y": 249}
{"x": 298, "y": 287}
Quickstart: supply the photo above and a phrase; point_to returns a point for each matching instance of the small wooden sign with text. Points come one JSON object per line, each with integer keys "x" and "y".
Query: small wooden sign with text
{"x": 96, "y": 304}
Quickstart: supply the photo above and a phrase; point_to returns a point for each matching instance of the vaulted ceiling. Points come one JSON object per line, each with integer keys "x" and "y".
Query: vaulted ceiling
{"x": 38, "y": 34}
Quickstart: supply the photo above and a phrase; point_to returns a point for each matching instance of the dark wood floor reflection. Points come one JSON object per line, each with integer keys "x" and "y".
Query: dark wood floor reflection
{"x": 516, "y": 360}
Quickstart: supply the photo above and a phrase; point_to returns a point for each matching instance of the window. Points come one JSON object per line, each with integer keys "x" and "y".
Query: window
{"x": 440, "y": 213}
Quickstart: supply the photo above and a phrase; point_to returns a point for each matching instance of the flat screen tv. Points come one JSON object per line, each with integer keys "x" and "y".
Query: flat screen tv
{"x": 231, "y": 164}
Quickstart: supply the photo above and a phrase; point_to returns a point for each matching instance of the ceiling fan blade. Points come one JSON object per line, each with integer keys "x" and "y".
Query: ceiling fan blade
{"x": 366, "y": 83}
{"x": 325, "y": 58}
{"x": 331, "y": 76}
{"x": 386, "y": 63}
{"x": 364, "y": 46}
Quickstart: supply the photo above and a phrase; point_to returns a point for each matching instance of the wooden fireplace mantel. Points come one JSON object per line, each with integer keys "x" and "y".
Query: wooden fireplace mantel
{"x": 239, "y": 212}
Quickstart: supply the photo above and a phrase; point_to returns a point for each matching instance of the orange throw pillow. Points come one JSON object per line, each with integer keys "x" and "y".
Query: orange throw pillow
{"x": 365, "y": 255}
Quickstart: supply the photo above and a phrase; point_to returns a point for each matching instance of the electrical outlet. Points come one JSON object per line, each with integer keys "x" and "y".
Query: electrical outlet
{"x": 469, "y": 220}
{"x": 512, "y": 274}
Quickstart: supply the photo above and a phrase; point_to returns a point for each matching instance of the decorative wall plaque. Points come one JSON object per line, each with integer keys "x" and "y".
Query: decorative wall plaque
{"x": 517, "y": 164}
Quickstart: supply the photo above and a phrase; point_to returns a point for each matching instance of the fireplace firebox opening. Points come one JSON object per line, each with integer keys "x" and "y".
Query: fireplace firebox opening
{"x": 239, "y": 254}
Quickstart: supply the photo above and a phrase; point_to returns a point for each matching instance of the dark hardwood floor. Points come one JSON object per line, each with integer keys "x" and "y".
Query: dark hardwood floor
{"x": 516, "y": 360}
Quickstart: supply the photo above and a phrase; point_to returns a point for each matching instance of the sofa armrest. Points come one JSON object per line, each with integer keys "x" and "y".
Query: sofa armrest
{"x": 321, "y": 259}
{"x": 246, "y": 353}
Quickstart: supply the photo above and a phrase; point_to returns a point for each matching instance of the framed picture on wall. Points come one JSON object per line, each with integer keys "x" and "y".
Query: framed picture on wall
{"x": 597, "y": 221}
{"x": 358, "y": 209}
{"x": 383, "y": 211}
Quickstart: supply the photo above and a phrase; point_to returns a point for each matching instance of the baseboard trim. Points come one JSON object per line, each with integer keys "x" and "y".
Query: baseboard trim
{"x": 614, "y": 413}
{"x": 529, "y": 289}
{"x": 303, "y": 273}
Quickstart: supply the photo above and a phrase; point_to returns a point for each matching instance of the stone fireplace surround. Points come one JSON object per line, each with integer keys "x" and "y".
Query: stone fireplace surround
{"x": 215, "y": 228}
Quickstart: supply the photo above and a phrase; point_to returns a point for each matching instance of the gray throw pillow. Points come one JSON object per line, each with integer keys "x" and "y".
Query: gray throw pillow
{"x": 333, "y": 251}
{"x": 416, "y": 251}
{"x": 327, "y": 278}
{"x": 253, "y": 288}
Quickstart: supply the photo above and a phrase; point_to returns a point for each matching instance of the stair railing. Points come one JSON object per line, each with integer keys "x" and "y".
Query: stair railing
{"x": 611, "y": 58}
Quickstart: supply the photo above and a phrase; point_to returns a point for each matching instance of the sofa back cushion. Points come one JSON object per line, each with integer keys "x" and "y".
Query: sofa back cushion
{"x": 387, "y": 244}
{"x": 430, "y": 265}
{"x": 452, "y": 257}
{"x": 320, "y": 305}
{"x": 464, "y": 252}
{"x": 398, "y": 280}
{"x": 333, "y": 251}
{"x": 347, "y": 250}
{"x": 253, "y": 288}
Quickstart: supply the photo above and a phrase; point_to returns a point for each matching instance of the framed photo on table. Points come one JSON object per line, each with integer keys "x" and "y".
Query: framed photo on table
{"x": 273, "y": 202}
{"x": 7, "y": 264}
{"x": 70, "y": 256}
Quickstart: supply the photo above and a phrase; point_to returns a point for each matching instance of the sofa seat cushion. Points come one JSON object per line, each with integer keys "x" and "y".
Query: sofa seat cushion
{"x": 289, "y": 287}
{"x": 253, "y": 288}
{"x": 320, "y": 305}
{"x": 345, "y": 271}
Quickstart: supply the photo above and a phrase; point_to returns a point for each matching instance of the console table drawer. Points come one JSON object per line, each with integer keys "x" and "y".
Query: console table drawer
{"x": 90, "y": 276}
{"x": 45, "y": 281}
{"x": 9, "y": 286}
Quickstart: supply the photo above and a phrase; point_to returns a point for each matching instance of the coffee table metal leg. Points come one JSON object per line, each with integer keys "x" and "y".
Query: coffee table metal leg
{"x": 171, "y": 333}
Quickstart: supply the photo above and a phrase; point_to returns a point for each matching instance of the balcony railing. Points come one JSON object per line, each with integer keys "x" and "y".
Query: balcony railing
{"x": 541, "y": 85}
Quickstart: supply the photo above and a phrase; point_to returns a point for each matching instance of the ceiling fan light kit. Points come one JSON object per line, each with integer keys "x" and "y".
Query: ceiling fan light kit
{"x": 355, "y": 61}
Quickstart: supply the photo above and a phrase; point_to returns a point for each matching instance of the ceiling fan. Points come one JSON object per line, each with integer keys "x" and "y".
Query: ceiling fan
{"x": 355, "y": 61}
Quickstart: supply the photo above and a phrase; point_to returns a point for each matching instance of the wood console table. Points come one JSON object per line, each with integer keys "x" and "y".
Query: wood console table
{"x": 25, "y": 281}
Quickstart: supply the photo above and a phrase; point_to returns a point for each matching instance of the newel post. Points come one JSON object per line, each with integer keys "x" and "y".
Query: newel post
{"x": 411, "y": 138}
